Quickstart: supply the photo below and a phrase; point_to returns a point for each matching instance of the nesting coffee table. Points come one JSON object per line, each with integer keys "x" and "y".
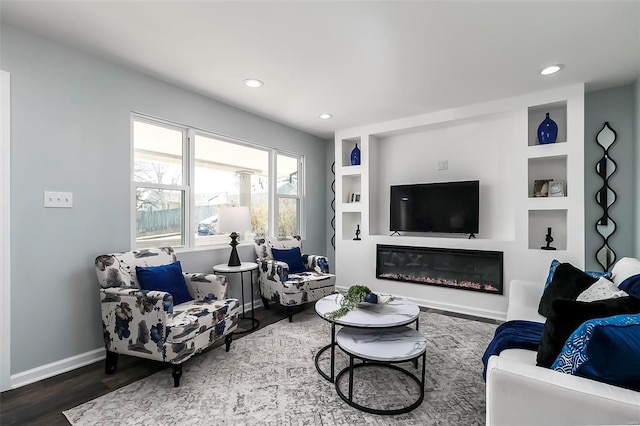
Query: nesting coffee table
{"x": 379, "y": 336}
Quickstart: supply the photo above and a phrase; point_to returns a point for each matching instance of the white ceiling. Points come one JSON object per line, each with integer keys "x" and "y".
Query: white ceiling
{"x": 364, "y": 62}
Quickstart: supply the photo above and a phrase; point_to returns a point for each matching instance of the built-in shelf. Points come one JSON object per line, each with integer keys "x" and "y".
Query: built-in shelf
{"x": 547, "y": 168}
{"x": 548, "y": 150}
{"x": 352, "y": 170}
{"x": 350, "y": 222}
{"x": 347, "y": 146}
{"x": 540, "y": 221}
{"x": 548, "y": 203}
{"x": 352, "y": 207}
{"x": 351, "y": 185}
{"x": 495, "y": 143}
{"x": 548, "y": 162}
{"x": 557, "y": 112}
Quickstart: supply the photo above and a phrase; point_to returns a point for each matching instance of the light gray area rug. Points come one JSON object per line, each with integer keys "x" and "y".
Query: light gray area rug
{"x": 269, "y": 378}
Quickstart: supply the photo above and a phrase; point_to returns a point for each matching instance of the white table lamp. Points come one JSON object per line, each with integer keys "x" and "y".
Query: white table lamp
{"x": 234, "y": 220}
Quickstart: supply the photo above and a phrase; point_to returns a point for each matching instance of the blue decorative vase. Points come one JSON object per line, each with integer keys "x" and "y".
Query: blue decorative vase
{"x": 547, "y": 131}
{"x": 355, "y": 156}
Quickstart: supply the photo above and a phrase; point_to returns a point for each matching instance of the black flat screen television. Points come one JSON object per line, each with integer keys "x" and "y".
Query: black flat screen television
{"x": 447, "y": 207}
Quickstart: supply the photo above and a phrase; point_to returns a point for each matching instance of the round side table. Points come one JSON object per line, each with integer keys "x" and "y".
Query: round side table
{"x": 225, "y": 269}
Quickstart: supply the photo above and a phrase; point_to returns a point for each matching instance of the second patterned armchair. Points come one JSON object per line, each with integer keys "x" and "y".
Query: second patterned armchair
{"x": 289, "y": 277}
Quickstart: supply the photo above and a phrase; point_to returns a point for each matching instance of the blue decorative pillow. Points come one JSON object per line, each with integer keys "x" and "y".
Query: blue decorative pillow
{"x": 631, "y": 285}
{"x": 606, "y": 350}
{"x": 555, "y": 263}
{"x": 167, "y": 278}
{"x": 291, "y": 257}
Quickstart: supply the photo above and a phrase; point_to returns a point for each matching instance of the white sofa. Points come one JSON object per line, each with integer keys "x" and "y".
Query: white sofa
{"x": 520, "y": 393}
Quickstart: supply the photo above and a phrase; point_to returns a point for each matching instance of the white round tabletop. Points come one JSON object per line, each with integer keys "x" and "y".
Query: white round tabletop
{"x": 395, "y": 313}
{"x": 244, "y": 266}
{"x": 388, "y": 344}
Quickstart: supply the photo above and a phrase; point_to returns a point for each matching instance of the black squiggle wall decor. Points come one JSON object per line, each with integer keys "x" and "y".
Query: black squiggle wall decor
{"x": 333, "y": 204}
{"x": 605, "y": 226}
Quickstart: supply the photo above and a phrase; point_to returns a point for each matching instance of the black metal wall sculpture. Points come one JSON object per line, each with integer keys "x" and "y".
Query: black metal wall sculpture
{"x": 333, "y": 205}
{"x": 605, "y": 226}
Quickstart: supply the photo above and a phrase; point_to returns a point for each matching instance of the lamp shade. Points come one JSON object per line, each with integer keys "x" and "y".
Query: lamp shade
{"x": 234, "y": 219}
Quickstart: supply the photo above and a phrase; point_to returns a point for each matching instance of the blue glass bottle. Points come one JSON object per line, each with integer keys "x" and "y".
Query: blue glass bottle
{"x": 355, "y": 156}
{"x": 547, "y": 131}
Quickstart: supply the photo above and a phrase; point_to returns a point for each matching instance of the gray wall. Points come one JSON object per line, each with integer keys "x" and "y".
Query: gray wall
{"x": 636, "y": 189}
{"x": 70, "y": 132}
{"x": 618, "y": 107}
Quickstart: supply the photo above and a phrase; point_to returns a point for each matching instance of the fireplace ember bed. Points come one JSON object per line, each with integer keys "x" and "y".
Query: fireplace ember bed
{"x": 475, "y": 270}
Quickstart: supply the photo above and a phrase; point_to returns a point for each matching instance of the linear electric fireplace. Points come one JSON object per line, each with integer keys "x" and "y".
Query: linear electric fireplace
{"x": 476, "y": 270}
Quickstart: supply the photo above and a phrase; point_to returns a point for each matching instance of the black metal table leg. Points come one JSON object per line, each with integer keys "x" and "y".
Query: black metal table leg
{"x": 330, "y": 377}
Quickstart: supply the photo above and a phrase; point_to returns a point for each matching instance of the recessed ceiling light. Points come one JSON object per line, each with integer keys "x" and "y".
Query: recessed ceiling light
{"x": 551, "y": 69}
{"x": 325, "y": 116}
{"x": 252, "y": 82}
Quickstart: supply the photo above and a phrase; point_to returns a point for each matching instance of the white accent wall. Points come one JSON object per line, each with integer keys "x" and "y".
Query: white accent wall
{"x": 492, "y": 142}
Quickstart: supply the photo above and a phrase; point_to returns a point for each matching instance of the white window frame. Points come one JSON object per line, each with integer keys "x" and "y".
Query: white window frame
{"x": 301, "y": 186}
{"x": 186, "y": 189}
{"x": 188, "y": 180}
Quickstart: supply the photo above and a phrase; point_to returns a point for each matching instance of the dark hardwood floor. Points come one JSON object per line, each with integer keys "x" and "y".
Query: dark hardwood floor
{"x": 43, "y": 402}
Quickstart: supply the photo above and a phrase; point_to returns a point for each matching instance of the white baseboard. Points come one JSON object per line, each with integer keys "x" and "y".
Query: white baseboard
{"x": 76, "y": 361}
{"x": 55, "y": 368}
{"x": 460, "y": 309}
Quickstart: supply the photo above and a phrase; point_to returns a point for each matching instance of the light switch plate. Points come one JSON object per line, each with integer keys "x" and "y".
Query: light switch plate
{"x": 442, "y": 165}
{"x": 58, "y": 199}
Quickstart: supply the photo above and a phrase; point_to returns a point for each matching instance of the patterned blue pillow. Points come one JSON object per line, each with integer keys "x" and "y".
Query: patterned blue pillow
{"x": 167, "y": 278}
{"x": 555, "y": 263}
{"x": 631, "y": 285}
{"x": 604, "y": 349}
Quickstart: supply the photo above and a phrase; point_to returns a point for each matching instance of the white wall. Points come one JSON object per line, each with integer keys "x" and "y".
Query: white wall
{"x": 490, "y": 142}
{"x": 412, "y": 157}
{"x": 70, "y": 132}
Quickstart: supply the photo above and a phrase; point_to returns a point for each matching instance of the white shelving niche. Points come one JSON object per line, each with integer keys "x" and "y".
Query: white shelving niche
{"x": 553, "y": 162}
{"x": 350, "y": 182}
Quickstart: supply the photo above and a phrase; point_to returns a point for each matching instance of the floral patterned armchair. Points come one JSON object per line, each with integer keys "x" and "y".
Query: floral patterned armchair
{"x": 145, "y": 323}
{"x": 291, "y": 289}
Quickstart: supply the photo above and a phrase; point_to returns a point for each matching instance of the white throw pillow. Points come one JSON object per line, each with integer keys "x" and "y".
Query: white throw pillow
{"x": 600, "y": 290}
{"x": 625, "y": 268}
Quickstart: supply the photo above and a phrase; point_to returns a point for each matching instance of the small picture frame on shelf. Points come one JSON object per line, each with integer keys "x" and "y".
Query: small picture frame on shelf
{"x": 557, "y": 188}
{"x": 541, "y": 187}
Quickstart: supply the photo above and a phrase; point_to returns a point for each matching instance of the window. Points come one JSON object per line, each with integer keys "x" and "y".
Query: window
{"x": 182, "y": 175}
{"x": 288, "y": 194}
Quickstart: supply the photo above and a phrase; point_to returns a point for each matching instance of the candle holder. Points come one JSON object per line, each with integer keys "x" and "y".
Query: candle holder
{"x": 549, "y": 239}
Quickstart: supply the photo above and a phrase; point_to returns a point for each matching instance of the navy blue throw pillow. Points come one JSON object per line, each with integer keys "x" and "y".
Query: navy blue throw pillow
{"x": 291, "y": 257}
{"x": 631, "y": 285}
{"x": 604, "y": 349}
{"x": 167, "y": 278}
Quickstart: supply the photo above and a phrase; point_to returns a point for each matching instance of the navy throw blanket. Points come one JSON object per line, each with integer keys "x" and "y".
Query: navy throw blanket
{"x": 516, "y": 334}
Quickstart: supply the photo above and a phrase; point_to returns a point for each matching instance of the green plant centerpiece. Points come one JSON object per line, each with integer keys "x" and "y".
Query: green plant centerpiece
{"x": 355, "y": 295}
